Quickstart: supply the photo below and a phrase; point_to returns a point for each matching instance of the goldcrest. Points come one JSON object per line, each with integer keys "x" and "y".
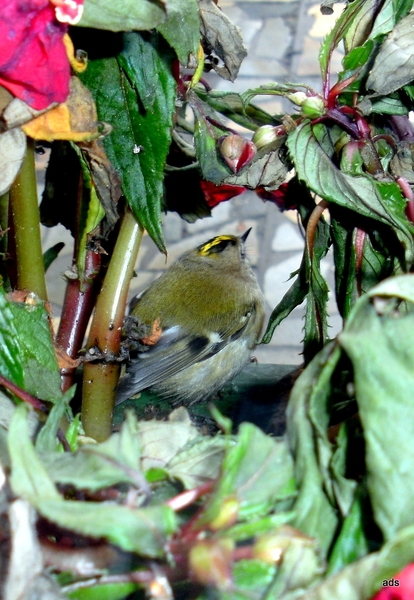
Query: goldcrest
{"x": 205, "y": 315}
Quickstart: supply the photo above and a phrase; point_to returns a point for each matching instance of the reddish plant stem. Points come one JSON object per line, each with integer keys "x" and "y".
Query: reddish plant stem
{"x": 359, "y": 242}
{"x": 186, "y": 498}
{"x": 23, "y": 395}
{"x": 77, "y": 309}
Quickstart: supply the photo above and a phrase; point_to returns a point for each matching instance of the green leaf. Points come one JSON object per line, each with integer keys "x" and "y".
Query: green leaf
{"x": 182, "y": 28}
{"x": 388, "y": 105}
{"x": 135, "y": 92}
{"x": 394, "y": 64}
{"x": 391, "y": 12}
{"x": 361, "y": 258}
{"x": 91, "y": 212}
{"x": 232, "y": 106}
{"x": 366, "y": 196}
{"x": 295, "y": 295}
{"x": 257, "y": 471}
{"x": 198, "y": 461}
{"x": 47, "y": 440}
{"x": 351, "y": 542}
{"x": 250, "y": 577}
{"x": 206, "y": 136}
{"x": 104, "y": 591}
{"x": 379, "y": 339}
{"x": 358, "y": 57}
{"x": 141, "y": 530}
{"x": 123, "y": 15}
{"x": 41, "y": 372}
{"x": 29, "y": 477}
{"x": 11, "y": 359}
{"x": 342, "y": 25}
{"x": 96, "y": 466}
{"x": 359, "y": 27}
{"x": 51, "y": 254}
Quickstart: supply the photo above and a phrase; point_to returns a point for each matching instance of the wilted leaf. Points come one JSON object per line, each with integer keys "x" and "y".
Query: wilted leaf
{"x": 73, "y": 120}
{"x": 123, "y": 15}
{"x": 29, "y": 478}
{"x": 266, "y": 169}
{"x": 383, "y": 380}
{"x": 199, "y": 461}
{"x": 12, "y": 152}
{"x": 315, "y": 514}
{"x": 96, "y": 466}
{"x": 394, "y": 64}
{"x": 142, "y": 530}
{"x": 26, "y": 578}
{"x": 182, "y": 28}
{"x": 231, "y": 105}
{"x": 47, "y": 440}
{"x": 160, "y": 441}
{"x": 222, "y": 39}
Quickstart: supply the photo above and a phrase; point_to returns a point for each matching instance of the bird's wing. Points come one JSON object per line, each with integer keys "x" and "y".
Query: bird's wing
{"x": 175, "y": 351}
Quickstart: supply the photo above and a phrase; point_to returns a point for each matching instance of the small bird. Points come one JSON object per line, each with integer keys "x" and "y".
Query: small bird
{"x": 204, "y": 315}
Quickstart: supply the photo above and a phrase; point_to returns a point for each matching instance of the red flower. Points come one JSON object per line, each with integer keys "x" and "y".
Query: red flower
{"x": 279, "y": 197}
{"x": 33, "y": 61}
{"x": 399, "y": 587}
{"x": 214, "y": 194}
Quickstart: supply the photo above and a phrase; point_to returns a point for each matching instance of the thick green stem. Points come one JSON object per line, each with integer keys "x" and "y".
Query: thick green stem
{"x": 100, "y": 379}
{"x": 25, "y": 214}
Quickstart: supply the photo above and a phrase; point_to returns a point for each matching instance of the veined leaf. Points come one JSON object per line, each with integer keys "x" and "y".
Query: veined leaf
{"x": 382, "y": 201}
{"x": 142, "y": 530}
{"x": 361, "y": 24}
{"x": 10, "y": 353}
{"x": 391, "y": 12}
{"x": 182, "y": 28}
{"x": 123, "y": 15}
{"x": 139, "y": 142}
{"x": 29, "y": 477}
{"x": 394, "y": 64}
{"x": 379, "y": 339}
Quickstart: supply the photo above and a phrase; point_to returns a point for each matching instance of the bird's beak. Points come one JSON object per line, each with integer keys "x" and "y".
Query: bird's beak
{"x": 245, "y": 235}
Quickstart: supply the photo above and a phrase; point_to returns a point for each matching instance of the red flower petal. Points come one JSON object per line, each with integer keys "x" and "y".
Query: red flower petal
{"x": 214, "y": 194}
{"x": 279, "y": 197}
{"x": 399, "y": 587}
{"x": 33, "y": 62}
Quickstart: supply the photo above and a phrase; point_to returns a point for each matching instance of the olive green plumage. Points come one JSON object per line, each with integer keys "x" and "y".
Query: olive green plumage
{"x": 210, "y": 310}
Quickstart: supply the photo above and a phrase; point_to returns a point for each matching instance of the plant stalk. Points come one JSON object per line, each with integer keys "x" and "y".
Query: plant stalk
{"x": 77, "y": 308}
{"x": 100, "y": 378}
{"x": 25, "y": 214}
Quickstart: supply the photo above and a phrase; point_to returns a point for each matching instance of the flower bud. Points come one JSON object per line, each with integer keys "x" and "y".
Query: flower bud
{"x": 313, "y": 107}
{"x": 264, "y": 135}
{"x": 237, "y": 151}
{"x": 297, "y": 98}
{"x": 211, "y": 562}
{"x": 228, "y": 513}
